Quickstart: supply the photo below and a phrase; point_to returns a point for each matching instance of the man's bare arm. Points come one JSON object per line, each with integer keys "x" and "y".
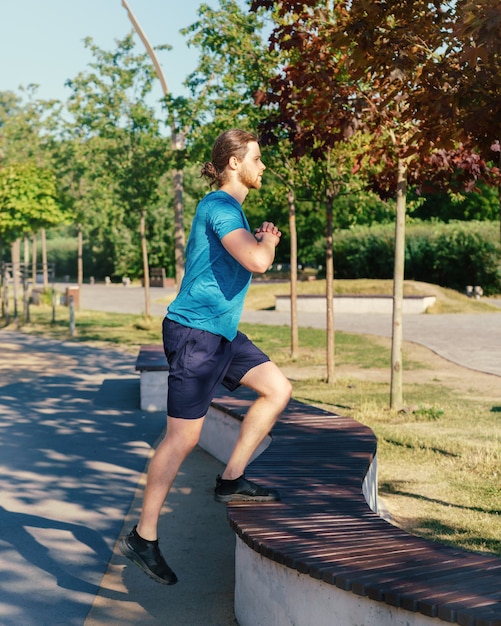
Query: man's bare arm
{"x": 255, "y": 252}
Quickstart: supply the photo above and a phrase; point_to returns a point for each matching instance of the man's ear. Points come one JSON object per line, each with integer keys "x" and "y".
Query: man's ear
{"x": 233, "y": 162}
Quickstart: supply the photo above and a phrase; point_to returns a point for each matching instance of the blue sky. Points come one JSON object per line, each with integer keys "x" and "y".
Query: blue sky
{"x": 41, "y": 41}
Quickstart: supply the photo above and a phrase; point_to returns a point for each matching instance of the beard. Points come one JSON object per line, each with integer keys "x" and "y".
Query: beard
{"x": 251, "y": 181}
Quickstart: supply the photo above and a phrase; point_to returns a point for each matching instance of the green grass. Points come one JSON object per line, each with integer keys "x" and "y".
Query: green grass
{"x": 124, "y": 331}
{"x": 350, "y": 349}
{"x": 439, "y": 460}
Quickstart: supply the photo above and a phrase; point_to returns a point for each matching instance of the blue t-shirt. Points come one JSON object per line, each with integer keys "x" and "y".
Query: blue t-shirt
{"x": 215, "y": 284}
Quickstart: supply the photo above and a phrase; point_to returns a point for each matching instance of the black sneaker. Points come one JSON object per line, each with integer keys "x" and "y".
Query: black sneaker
{"x": 147, "y": 556}
{"x": 243, "y": 490}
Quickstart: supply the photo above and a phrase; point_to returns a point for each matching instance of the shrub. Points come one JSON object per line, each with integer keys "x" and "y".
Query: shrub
{"x": 451, "y": 255}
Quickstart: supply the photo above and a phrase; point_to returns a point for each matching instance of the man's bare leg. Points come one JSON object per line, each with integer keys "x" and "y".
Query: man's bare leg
{"x": 274, "y": 391}
{"x": 181, "y": 437}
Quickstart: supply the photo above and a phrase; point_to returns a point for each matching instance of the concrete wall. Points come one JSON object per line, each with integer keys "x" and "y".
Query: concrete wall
{"x": 154, "y": 390}
{"x": 356, "y": 304}
{"x": 269, "y": 594}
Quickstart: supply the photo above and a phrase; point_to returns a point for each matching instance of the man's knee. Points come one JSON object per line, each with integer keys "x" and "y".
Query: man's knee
{"x": 184, "y": 434}
{"x": 269, "y": 382}
{"x": 285, "y": 389}
{"x": 287, "y": 394}
{"x": 278, "y": 389}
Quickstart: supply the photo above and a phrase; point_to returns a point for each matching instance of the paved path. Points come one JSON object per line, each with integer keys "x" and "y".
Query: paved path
{"x": 74, "y": 445}
{"x": 470, "y": 340}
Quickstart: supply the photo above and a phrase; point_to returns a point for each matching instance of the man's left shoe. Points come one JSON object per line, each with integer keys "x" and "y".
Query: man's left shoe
{"x": 243, "y": 490}
{"x": 146, "y": 555}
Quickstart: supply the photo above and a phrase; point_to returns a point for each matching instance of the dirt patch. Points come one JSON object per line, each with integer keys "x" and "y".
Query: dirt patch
{"x": 470, "y": 383}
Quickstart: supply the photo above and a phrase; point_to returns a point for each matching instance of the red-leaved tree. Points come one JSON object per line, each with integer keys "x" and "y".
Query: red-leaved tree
{"x": 391, "y": 69}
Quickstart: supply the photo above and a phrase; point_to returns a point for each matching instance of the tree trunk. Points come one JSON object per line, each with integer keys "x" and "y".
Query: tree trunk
{"x": 329, "y": 293}
{"x": 44, "y": 259}
{"x": 34, "y": 259}
{"x": 24, "y": 276}
{"x": 26, "y": 254}
{"x": 16, "y": 262}
{"x": 293, "y": 264}
{"x": 398, "y": 288}
{"x": 179, "y": 238}
{"x": 146, "y": 267}
{"x": 499, "y": 196}
{"x": 80, "y": 256}
{"x": 5, "y": 293}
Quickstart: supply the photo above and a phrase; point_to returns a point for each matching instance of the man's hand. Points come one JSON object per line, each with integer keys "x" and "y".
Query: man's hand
{"x": 270, "y": 229}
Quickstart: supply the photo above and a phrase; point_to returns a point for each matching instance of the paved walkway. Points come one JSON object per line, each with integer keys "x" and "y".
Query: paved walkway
{"x": 74, "y": 448}
{"x": 470, "y": 340}
{"x": 73, "y": 451}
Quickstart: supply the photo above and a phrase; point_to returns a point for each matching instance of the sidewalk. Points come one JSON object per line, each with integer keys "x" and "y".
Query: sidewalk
{"x": 470, "y": 340}
{"x": 74, "y": 448}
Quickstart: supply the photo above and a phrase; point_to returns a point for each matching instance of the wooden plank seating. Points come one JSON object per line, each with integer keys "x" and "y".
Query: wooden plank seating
{"x": 152, "y": 365}
{"x": 322, "y": 556}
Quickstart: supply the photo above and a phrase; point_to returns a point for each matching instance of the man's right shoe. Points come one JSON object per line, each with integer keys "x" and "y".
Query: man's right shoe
{"x": 147, "y": 556}
{"x": 243, "y": 490}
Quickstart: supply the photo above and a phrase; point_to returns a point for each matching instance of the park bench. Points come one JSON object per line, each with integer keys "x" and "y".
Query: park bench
{"x": 152, "y": 365}
{"x": 322, "y": 556}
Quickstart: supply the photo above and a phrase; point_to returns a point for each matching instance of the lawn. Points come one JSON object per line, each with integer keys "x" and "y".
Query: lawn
{"x": 439, "y": 459}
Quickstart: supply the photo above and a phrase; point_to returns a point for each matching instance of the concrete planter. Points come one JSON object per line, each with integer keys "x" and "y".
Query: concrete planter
{"x": 356, "y": 304}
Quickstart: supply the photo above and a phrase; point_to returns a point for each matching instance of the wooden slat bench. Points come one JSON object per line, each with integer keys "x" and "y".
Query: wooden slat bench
{"x": 152, "y": 364}
{"x": 321, "y": 556}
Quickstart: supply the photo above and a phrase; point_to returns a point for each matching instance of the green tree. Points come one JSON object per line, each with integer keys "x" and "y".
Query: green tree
{"x": 234, "y": 65}
{"x": 27, "y": 204}
{"x": 234, "y": 68}
{"x": 109, "y": 102}
{"x": 27, "y": 200}
{"x": 28, "y": 130}
{"x": 481, "y": 204}
{"x": 28, "y": 127}
{"x": 87, "y": 190}
{"x": 177, "y": 144}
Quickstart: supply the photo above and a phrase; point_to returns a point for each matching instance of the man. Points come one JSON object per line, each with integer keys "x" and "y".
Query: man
{"x": 204, "y": 347}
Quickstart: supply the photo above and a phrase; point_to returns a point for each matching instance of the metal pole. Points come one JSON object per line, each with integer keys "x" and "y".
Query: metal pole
{"x": 177, "y": 139}
{"x": 53, "y": 301}
{"x": 72, "y": 316}
{"x": 148, "y": 47}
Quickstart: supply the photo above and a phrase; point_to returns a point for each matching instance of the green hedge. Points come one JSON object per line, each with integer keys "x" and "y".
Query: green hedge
{"x": 452, "y": 255}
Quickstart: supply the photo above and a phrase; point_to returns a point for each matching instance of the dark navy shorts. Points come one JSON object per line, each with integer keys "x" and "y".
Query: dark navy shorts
{"x": 199, "y": 362}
